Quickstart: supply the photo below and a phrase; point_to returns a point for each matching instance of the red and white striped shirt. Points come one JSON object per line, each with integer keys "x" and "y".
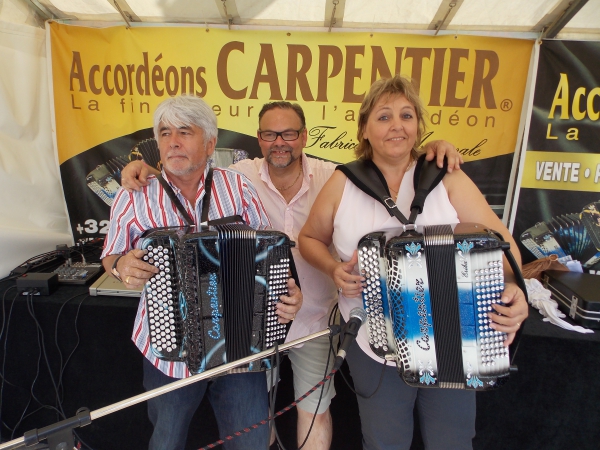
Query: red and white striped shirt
{"x": 134, "y": 213}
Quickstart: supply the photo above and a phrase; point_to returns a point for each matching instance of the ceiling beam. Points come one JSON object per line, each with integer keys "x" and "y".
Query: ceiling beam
{"x": 229, "y": 12}
{"x": 125, "y": 10}
{"x": 334, "y": 13}
{"x": 564, "y": 13}
{"x": 444, "y": 15}
{"x": 551, "y": 17}
{"x": 45, "y": 11}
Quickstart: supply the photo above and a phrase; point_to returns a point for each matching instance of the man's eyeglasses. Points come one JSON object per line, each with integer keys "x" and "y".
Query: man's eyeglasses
{"x": 287, "y": 135}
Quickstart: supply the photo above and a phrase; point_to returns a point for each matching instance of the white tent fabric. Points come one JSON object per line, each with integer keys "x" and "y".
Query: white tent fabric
{"x": 33, "y": 217}
{"x": 428, "y": 16}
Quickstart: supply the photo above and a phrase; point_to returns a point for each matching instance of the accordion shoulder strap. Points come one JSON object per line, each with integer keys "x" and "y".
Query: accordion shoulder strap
{"x": 205, "y": 203}
{"x": 167, "y": 188}
{"x": 368, "y": 178}
{"x": 207, "y": 195}
{"x": 427, "y": 176}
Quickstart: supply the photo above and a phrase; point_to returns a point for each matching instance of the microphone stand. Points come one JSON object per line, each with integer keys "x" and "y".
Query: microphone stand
{"x": 60, "y": 434}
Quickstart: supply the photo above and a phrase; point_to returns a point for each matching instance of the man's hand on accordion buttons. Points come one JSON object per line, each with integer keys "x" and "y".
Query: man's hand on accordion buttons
{"x": 135, "y": 272}
{"x": 134, "y": 175}
{"x": 509, "y": 318}
{"x": 289, "y": 305}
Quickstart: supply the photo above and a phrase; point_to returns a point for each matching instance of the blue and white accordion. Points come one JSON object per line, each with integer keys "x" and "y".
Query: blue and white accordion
{"x": 213, "y": 300}
{"x": 427, "y": 295}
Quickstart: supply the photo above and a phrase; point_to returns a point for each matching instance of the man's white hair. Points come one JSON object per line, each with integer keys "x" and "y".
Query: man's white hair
{"x": 186, "y": 110}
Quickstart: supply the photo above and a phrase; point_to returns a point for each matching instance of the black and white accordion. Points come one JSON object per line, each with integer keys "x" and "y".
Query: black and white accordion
{"x": 213, "y": 300}
{"x": 427, "y": 294}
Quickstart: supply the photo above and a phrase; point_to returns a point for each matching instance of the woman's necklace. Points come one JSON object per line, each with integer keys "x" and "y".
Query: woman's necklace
{"x": 395, "y": 193}
{"x": 287, "y": 187}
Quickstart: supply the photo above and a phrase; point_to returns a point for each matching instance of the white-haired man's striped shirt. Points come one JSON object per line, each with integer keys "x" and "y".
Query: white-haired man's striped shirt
{"x": 134, "y": 213}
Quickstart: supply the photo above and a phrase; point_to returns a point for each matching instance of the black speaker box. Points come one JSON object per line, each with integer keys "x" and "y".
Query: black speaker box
{"x": 37, "y": 283}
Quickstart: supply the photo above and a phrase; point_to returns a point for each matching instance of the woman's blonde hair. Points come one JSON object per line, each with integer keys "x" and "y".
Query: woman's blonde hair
{"x": 388, "y": 87}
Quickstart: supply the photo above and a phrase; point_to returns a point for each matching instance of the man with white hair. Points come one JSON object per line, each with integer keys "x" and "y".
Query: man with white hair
{"x": 185, "y": 128}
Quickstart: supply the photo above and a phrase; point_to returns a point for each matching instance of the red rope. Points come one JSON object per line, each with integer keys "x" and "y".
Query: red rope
{"x": 277, "y": 414}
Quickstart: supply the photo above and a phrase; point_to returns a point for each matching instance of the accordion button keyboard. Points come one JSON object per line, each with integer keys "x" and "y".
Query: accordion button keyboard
{"x": 372, "y": 298}
{"x": 159, "y": 300}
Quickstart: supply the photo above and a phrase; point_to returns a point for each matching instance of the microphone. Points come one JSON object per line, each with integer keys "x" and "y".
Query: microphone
{"x": 357, "y": 317}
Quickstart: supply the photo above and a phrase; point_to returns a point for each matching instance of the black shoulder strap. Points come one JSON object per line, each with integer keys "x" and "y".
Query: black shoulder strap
{"x": 369, "y": 179}
{"x": 167, "y": 188}
{"x": 207, "y": 195}
{"x": 427, "y": 176}
{"x": 206, "y": 204}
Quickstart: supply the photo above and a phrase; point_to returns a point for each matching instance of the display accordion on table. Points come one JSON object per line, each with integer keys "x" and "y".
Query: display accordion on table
{"x": 427, "y": 294}
{"x": 105, "y": 179}
{"x": 569, "y": 236}
{"x": 214, "y": 298}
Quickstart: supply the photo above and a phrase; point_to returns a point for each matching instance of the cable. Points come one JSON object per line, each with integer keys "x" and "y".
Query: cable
{"x": 82, "y": 442}
{"x": 320, "y": 395}
{"x": 61, "y": 366}
{"x": 271, "y": 417}
{"x": 330, "y": 321}
{"x": 43, "y": 260}
{"x": 5, "y": 322}
{"x": 384, "y": 365}
{"x": 346, "y": 380}
{"x": 37, "y": 373}
{"x": 10, "y": 277}
{"x": 57, "y": 383}
{"x": 273, "y": 390}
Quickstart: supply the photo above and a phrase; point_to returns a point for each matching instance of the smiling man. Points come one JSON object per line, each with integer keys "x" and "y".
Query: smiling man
{"x": 186, "y": 130}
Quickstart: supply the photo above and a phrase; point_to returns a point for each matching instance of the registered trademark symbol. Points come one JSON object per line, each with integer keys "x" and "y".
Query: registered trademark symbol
{"x": 506, "y": 105}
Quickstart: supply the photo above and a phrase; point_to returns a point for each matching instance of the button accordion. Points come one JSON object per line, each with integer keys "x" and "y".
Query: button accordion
{"x": 427, "y": 294}
{"x": 213, "y": 300}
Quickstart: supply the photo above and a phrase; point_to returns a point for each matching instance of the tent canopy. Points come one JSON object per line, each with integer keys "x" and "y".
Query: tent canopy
{"x": 566, "y": 19}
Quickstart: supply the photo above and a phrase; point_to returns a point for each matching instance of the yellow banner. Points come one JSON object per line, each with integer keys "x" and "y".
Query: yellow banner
{"x": 562, "y": 171}
{"x": 107, "y": 82}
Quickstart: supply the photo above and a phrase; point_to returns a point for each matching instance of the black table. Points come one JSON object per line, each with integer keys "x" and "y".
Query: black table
{"x": 550, "y": 403}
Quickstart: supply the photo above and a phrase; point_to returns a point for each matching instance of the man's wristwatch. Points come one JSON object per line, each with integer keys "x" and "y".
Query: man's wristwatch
{"x": 114, "y": 270}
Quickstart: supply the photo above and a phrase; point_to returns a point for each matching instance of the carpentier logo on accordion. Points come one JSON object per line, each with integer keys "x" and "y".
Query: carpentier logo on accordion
{"x": 215, "y": 331}
{"x": 424, "y": 325}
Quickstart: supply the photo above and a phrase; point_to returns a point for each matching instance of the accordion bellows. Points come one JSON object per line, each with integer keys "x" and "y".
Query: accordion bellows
{"x": 427, "y": 295}
{"x": 213, "y": 300}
